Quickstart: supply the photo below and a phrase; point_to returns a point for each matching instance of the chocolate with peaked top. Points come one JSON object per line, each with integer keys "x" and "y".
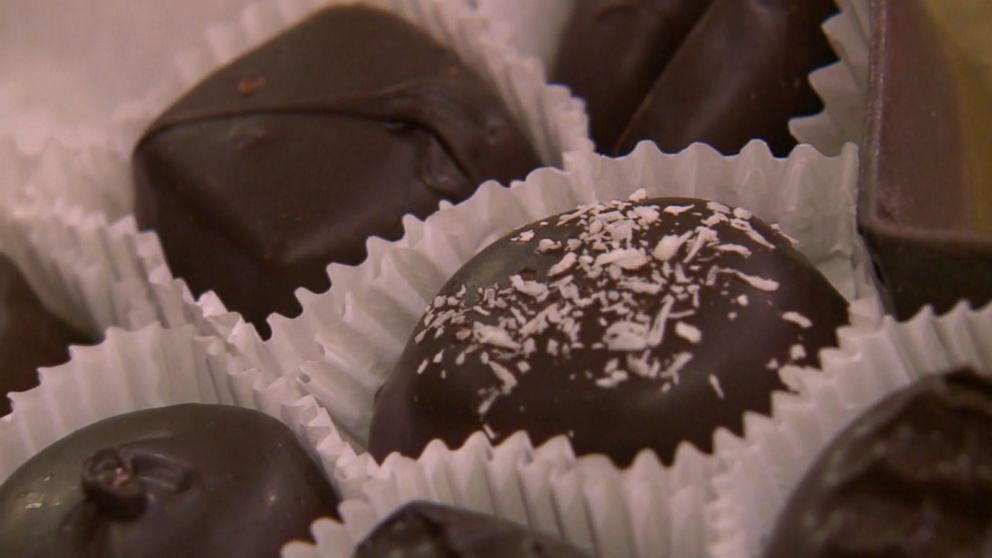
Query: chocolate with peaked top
{"x": 187, "y": 480}
{"x": 911, "y": 477}
{"x": 293, "y": 155}
{"x": 425, "y": 530}
{"x": 720, "y": 72}
{"x": 625, "y": 325}
{"x": 925, "y": 201}
{"x": 612, "y": 52}
{"x": 30, "y": 337}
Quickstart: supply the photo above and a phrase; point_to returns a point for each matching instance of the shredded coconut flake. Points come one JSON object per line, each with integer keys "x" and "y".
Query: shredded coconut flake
{"x": 798, "y": 319}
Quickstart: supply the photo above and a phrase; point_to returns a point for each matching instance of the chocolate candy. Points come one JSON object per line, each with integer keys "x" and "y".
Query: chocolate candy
{"x": 612, "y": 52}
{"x": 423, "y": 529}
{"x": 625, "y": 325}
{"x": 293, "y": 155}
{"x": 720, "y": 72}
{"x": 912, "y": 477}
{"x": 30, "y": 337}
{"x": 926, "y": 189}
{"x": 186, "y": 480}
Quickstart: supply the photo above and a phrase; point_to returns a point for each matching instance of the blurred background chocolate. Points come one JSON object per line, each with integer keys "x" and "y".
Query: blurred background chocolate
{"x": 425, "y": 530}
{"x": 293, "y": 155}
{"x": 925, "y": 206}
{"x": 30, "y": 336}
{"x": 185, "y": 480}
{"x": 909, "y": 478}
{"x": 676, "y": 72}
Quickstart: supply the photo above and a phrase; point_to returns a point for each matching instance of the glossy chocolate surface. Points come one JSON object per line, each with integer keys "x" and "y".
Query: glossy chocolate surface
{"x": 624, "y": 325}
{"x": 613, "y": 51}
{"x": 676, "y": 72}
{"x": 909, "y": 479}
{"x": 926, "y": 187}
{"x": 293, "y": 155}
{"x": 30, "y": 336}
{"x": 426, "y": 530}
{"x": 187, "y": 480}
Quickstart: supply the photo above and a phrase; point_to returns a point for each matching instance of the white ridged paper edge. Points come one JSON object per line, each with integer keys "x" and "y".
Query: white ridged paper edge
{"x": 378, "y": 303}
{"x": 843, "y": 85}
{"x": 763, "y": 472}
{"x": 92, "y": 273}
{"x": 129, "y": 371}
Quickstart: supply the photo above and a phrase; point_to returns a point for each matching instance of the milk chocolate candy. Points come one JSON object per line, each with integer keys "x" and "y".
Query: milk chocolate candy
{"x": 623, "y": 325}
{"x": 30, "y": 336}
{"x": 293, "y": 155}
{"x": 187, "y": 480}
{"x": 426, "y": 530}
{"x": 912, "y": 477}
{"x": 925, "y": 205}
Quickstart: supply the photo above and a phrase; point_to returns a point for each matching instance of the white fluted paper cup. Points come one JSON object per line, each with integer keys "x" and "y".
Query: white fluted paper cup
{"x": 364, "y": 321}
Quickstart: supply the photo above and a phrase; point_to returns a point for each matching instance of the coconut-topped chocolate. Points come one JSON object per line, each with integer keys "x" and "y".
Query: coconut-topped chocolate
{"x": 187, "y": 480}
{"x": 623, "y": 325}
{"x": 425, "y": 529}
{"x": 30, "y": 336}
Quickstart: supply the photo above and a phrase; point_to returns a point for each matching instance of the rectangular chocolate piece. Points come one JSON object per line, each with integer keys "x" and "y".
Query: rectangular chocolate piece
{"x": 926, "y": 186}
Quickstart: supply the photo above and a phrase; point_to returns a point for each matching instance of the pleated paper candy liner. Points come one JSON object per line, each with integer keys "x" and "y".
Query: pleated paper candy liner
{"x": 762, "y": 473}
{"x": 147, "y": 368}
{"x": 843, "y": 85}
{"x": 645, "y": 510}
{"x": 535, "y": 27}
{"x": 55, "y": 206}
{"x": 372, "y": 308}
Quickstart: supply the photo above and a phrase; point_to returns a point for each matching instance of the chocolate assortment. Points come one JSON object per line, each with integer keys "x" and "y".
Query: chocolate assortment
{"x": 424, "y": 529}
{"x": 293, "y": 155}
{"x": 908, "y": 478}
{"x": 30, "y": 336}
{"x": 186, "y": 480}
{"x": 676, "y": 72}
{"x": 623, "y": 325}
{"x": 926, "y": 189}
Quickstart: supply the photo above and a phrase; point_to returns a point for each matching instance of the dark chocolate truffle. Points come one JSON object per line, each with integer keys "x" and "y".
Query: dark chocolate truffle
{"x": 426, "y": 530}
{"x": 625, "y": 325}
{"x": 30, "y": 337}
{"x": 912, "y": 477}
{"x": 187, "y": 480}
{"x": 720, "y": 72}
{"x": 293, "y": 155}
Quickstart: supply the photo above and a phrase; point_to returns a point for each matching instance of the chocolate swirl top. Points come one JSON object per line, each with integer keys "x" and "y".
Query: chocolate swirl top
{"x": 186, "y": 480}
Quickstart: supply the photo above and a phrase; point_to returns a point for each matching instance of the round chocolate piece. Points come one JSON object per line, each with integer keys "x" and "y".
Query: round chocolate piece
{"x": 911, "y": 478}
{"x": 30, "y": 337}
{"x": 426, "y": 530}
{"x": 293, "y": 155}
{"x": 625, "y": 325}
{"x": 187, "y": 480}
